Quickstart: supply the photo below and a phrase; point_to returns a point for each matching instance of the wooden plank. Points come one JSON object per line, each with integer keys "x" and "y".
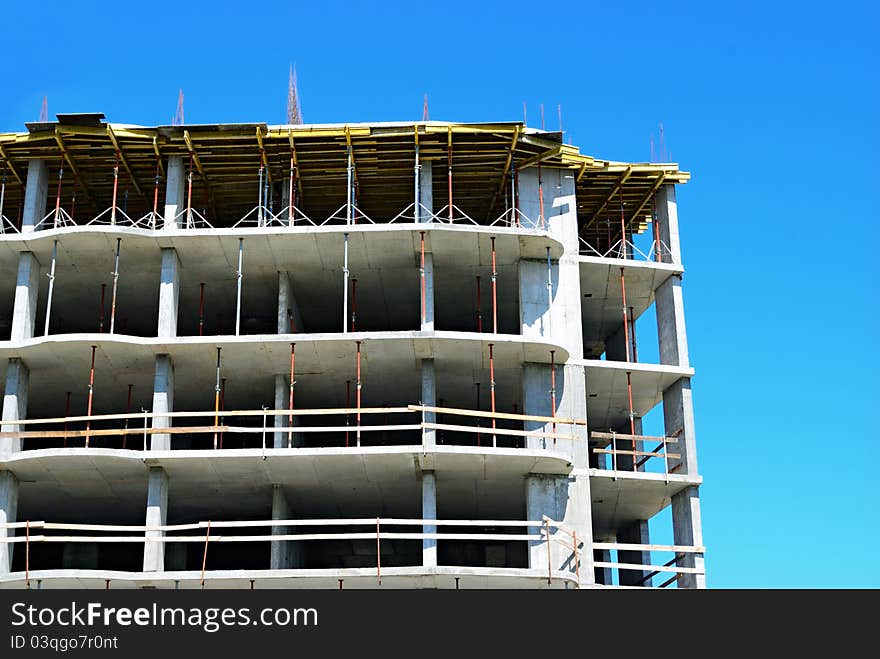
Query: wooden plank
{"x": 638, "y": 438}
{"x": 497, "y": 415}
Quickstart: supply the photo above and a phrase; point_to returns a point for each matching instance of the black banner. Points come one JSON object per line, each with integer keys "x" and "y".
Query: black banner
{"x": 139, "y": 623}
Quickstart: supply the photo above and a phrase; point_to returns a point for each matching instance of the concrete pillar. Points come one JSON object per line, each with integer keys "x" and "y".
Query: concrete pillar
{"x": 429, "y": 399}
{"x": 427, "y": 321}
{"x": 284, "y": 554}
{"x": 35, "y": 195}
{"x": 635, "y": 533}
{"x": 429, "y": 511}
{"x": 426, "y": 191}
{"x": 163, "y": 401}
{"x": 570, "y": 403}
{"x": 27, "y": 287}
{"x": 687, "y": 530}
{"x": 169, "y": 293}
{"x": 567, "y": 500}
{"x": 175, "y": 192}
{"x": 15, "y": 403}
{"x": 8, "y": 515}
{"x": 157, "y": 515}
{"x": 667, "y": 219}
{"x": 287, "y": 307}
{"x": 282, "y": 402}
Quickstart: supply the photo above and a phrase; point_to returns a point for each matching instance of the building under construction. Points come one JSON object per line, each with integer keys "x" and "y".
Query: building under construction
{"x": 347, "y": 356}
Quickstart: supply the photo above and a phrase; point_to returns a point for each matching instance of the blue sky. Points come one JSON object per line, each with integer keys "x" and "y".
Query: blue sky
{"x": 774, "y": 109}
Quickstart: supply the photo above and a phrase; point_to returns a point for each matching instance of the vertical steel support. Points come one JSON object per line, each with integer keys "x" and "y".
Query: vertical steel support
{"x": 291, "y": 219}
{"x": 492, "y": 390}
{"x": 290, "y": 396}
{"x": 623, "y": 246}
{"x": 217, "y": 399}
{"x": 189, "y": 193}
{"x": 449, "y": 173}
{"x": 632, "y": 331}
{"x": 238, "y": 291}
{"x": 58, "y": 193}
{"x": 91, "y": 396}
{"x": 358, "y": 394}
{"x": 115, "y": 287}
{"x": 541, "y": 199}
{"x": 347, "y": 407}
{"x": 155, "y": 194}
{"x": 222, "y": 407}
{"x": 348, "y": 188}
{"x": 494, "y": 291}
{"x": 417, "y": 181}
{"x": 345, "y": 275}
{"x": 354, "y": 303}
{"x": 260, "y": 200}
{"x": 115, "y": 189}
{"x": 657, "y": 254}
{"x": 51, "y": 286}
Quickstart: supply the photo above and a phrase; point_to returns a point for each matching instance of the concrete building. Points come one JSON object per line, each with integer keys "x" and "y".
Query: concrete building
{"x": 343, "y": 356}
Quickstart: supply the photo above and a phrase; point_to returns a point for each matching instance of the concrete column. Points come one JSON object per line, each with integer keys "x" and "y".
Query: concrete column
{"x": 567, "y": 500}
{"x": 287, "y": 305}
{"x": 285, "y": 554}
{"x": 15, "y": 403}
{"x": 157, "y": 515}
{"x": 671, "y": 332}
{"x": 27, "y": 287}
{"x": 8, "y": 514}
{"x": 35, "y": 195}
{"x": 538, "y": 287}
{"x": 636, "y": 533}
{"x": 175, "y": 192}
{"x": 667, "y": 219}
{"x": 429, "y": 399}
{"x": 570, "y": 403}
{"x": 169, "y": 293}
{"x": 429, "y": 511}
{"x": 282, "y": 402}
{"x": 687, "y": 529}
{"x": 427, "y": 322}
{"x": 163, "y": 401}
{"x": 426, "y": 190}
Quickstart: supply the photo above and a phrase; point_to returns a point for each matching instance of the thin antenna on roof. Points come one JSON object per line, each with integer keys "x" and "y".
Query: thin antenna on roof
{"x": 294, "y": 115}
{"x": 178, "y": 114}
{"x": 653, "y": 159}
{"x": 559, "y": 112}
{"x": 525, "y": 116}
{"x": 425, "y": 109}
{"x": 44, "y": 109}
{"x": 542, "y": 116}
